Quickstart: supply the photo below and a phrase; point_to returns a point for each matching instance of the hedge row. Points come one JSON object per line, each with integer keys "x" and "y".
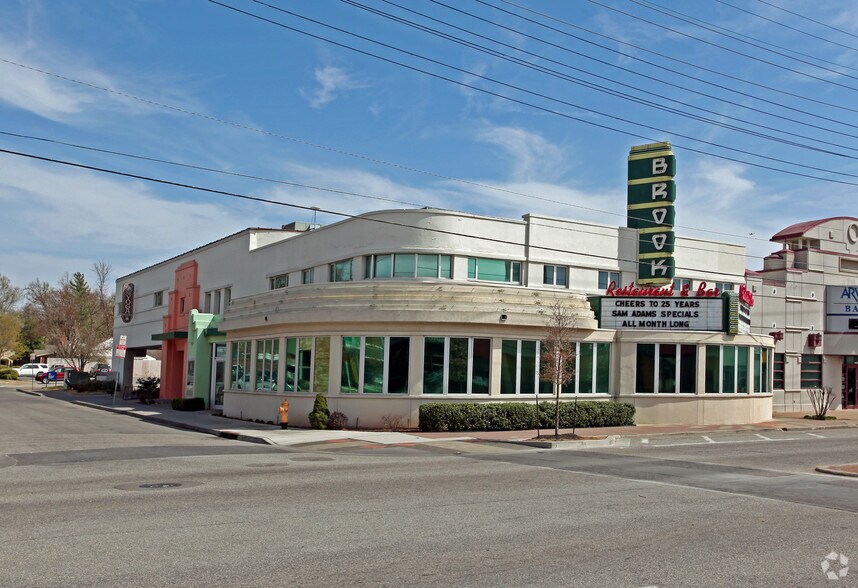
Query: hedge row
{"x": 7, "y": 373}
{"x": 188, "y": 404}
{"x": 511, "y": 416}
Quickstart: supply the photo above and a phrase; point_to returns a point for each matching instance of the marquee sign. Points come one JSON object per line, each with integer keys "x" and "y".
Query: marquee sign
{"x": 668, "y": 309}
{"x": 662, "y": 314}
{"x": 651, "y": 194}
{"x": 841, "y": 309}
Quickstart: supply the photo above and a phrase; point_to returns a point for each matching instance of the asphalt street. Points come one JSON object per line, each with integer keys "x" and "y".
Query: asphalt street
{"x": 90, "y": 498}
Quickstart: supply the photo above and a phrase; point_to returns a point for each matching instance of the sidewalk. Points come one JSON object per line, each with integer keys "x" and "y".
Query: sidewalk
{"x": 207, "y": 421}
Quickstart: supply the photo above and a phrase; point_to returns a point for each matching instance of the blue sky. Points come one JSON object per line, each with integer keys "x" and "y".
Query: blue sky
{"x": 278, "y": 104}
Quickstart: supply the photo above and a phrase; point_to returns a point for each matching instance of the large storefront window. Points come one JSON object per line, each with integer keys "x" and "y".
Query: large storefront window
{"x": 267, "y": 364}
{"x": 761, "y": 369}
{"x": 727, "y": 369}
{"x": 375, "y": 365}
{"x": 666, "y": 368}
{"x": 240, "y": 373}
{"x": 299, "y": 364}
{"x": 811, "y": 371}
{"x": 456, "y": 365}
{"x": 520, "y": 368}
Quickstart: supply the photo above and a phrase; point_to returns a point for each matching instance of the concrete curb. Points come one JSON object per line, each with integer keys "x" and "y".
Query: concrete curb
{"x": 30, "y": 392}
{"x": 835, "y": 472}
{"x": 609, "y": 441}
{"x": 178, "y": 425}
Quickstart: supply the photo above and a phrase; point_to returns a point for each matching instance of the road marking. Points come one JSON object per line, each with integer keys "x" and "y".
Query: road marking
{"x": 708, "y": 439}
{"x": 644, "y": 441}
{"x": 763, "y": 437}
{"x": 815, "y": 435}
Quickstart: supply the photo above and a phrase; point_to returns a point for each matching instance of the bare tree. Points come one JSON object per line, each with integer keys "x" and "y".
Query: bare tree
{"x": 10, "y": 296}
{"x": 73, "y": 316}
{"x": 557, "y": 361}
{"x": 820, "y": 399}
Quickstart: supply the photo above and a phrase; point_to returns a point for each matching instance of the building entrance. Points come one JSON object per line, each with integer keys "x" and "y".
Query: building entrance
{"x": 849, "y": 391}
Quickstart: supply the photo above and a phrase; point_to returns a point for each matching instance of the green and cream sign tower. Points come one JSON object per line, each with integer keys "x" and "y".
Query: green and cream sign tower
{"x": 651, "y": 195}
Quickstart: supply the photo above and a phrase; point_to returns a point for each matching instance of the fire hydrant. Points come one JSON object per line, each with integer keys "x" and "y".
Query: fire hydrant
{"x": 284, "y": 414}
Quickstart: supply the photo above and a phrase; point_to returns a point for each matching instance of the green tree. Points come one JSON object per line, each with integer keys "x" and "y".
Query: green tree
{"x": 10, "y": 336}
{"x": 74, "y": 317}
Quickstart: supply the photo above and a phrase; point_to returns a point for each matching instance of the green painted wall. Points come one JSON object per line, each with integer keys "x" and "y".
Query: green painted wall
{"x": 200, "y": 352}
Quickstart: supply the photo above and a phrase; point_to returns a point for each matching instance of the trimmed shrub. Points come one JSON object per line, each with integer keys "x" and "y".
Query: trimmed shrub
{"x": 148, "y": 389}
{"x": 512, "y": 416}
{"x": 319, "y": 416}
{"x": 338, "y": 421}
{"x": 7, "y": 373}
{"x": 188, "y": 404}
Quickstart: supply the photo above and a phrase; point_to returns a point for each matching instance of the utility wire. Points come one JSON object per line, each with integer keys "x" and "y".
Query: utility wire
{"x": 569, "y": 24}
{"x": 807, "y": 18}
{"x": 248, "y": 197}
{"x": 707, "y": 27}
{"x": 728, "y": 49}
{"x": 786, "y": 26}
{"x": 318, "y": 188}
{"x": 597, "y": 87}
{"x": 537, "y": 94}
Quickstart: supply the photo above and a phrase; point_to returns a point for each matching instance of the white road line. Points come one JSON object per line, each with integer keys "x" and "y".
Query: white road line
{"x": 763, "y": 437}
{"x": 708, "y": 439}
{"x": 644, "y": 441}
{"x": 815, "y": 435}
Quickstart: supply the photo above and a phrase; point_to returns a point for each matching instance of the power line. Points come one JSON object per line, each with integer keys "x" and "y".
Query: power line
{"x": 529, "y": 104}
{"x": 734, "y": 51}
{"x": 669, "y": 58}
{"x": 258, "y": 199}
{"x": 457, "y": 234}
{"x": 533, "y": 66}
{"x": 807, "y": 18}
{"x": 312, "y": 187}
{"x": 350, "y": 153}
{"x": 706, "y": 26}
{"x": 786, "y": 26}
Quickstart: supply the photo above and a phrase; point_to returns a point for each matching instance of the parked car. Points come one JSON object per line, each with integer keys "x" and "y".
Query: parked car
{"x": 30, "y": 370}
{"x": 61, "y": 373}
{"x": 100, "y": 374}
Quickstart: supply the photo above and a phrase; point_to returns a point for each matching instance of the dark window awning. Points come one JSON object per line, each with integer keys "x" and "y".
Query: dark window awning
{"x": 170, "y": 335}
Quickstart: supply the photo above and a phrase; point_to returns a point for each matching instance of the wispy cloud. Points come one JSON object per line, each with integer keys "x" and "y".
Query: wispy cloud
{"x": 531, "y": 154}
{"x": 331, "y": 83}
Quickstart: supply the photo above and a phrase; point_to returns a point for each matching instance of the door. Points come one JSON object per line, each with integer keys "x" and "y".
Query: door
{"x": 218, "y": 375}
{"x": 849, "y": 399}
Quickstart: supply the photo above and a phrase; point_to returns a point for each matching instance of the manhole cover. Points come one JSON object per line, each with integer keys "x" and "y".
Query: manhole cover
{"x": 266, "y": 465}
{"x": 157, "y": 486}
{"x": 312, "y": 459}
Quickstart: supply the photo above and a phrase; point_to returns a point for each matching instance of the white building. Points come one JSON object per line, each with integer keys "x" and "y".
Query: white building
{"x": 808, "y": 302}
{"x": 393, "y": 309}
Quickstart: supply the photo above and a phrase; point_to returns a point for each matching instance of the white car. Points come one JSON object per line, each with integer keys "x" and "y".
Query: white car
{"x": 29, "y": 370}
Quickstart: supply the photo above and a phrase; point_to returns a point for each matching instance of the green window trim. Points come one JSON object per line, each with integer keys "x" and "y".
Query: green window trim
{"x": 407, "y": 266}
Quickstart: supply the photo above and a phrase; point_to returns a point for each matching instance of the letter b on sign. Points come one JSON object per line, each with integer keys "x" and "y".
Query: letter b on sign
{"x": 659, "y": 166}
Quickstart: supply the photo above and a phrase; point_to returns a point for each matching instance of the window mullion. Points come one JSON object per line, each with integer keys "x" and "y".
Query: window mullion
{"x": 470, "y": 367}
{"x": 386, "y": 367}
{"x": 656, "y": 368}
{"x": 518, "y": 366}
{"x": 446, "y": 377}
{"x": 361, "y": 362}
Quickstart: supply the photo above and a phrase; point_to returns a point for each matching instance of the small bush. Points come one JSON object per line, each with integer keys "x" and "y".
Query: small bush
{"x": 188, "y": 404}
{"x": 7, "y": 373}
{"x": 512, "y": 416}
{"x": 148, "y": 389}
{"x": 393, "y": 422}
{"x": 319, "y": 416}
{"x": 338, "y": 421}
